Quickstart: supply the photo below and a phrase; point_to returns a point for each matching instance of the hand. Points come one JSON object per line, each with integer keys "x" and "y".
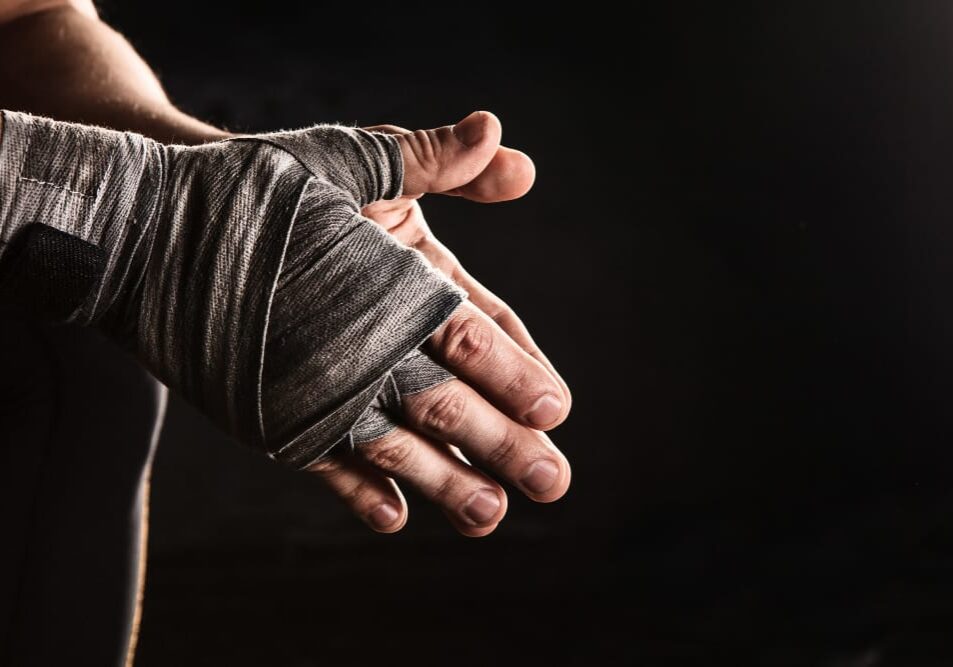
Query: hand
{"x": 506, "y": 390}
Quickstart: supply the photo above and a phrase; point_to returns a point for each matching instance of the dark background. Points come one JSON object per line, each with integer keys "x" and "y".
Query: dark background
{"x": 738, "y": 253}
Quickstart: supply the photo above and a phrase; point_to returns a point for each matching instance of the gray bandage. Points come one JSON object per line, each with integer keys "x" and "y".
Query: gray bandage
{"x": 240, "y": 272}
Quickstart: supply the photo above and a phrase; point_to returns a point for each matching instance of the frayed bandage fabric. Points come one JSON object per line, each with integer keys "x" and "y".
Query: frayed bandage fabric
{"x": 240, "y": 272}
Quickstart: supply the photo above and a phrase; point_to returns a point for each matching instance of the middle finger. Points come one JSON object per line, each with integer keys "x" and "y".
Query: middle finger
{"x": 474, "y": 503}
{"x": 453, "y": 412}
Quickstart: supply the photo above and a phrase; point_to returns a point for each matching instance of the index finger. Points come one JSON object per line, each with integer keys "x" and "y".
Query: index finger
{"x": 475, "y": 348}
{"x": 497, "y": 309}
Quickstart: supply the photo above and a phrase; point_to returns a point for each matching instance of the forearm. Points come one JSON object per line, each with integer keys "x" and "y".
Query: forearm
{"x": 58, "y": 59}
{"x": 240, "y": 272}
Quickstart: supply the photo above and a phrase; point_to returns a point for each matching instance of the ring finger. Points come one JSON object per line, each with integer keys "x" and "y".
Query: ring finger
{"x": 366, "y": 492}
{"x": 454, "y": 412}
{"x": 473, "y": 502}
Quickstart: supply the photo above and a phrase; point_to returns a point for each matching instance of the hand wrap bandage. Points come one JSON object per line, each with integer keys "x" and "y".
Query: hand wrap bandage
{"x": 240, "y": 272}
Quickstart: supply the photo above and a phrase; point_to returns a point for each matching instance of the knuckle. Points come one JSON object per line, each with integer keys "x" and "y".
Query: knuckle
{"x": 500, "y": 313}
{"x": 424, "y": 147}
{"x": 392, "y": 454}
{"x": 505, "y": 451}
{"x": 327, "y": 467}
{"x": 358, "y": 494}
{"x": 466, "y": 342}
{"x": 518, "y": 384}
{"x": 419, "y": 238}
{"x": 443, "y": 413}
{"x": 447, "y": 488}
{"x": 532, "y": 349}
{"x": 422, "y": 239}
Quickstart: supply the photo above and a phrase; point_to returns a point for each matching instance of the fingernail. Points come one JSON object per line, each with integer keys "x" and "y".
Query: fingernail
{"x": 540, "y": 476}
{"x": 471, "y": 129}
{"x": 384, "y": 516}
{"x": 545, "y": 411}
{"x": 482, "y": 506}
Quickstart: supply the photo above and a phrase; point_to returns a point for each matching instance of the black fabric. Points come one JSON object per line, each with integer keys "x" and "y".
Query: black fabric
{"x": 78, "y": 421}
{"x": 49, "y": 273}
{"x": 197, "y": 241}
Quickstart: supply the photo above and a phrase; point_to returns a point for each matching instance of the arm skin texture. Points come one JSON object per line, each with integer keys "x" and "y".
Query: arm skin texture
{"x": 57, "y": 59}
{"x": 86, "y": 72}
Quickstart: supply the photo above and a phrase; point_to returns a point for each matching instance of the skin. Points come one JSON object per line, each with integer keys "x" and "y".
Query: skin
{"x": 459, "y": 438}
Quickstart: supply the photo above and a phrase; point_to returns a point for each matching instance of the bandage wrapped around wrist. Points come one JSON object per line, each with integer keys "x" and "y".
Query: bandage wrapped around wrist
{"x": 241, "y": 272}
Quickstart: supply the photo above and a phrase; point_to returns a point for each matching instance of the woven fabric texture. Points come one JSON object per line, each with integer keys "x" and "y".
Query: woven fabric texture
{"x": 241, "y": 272}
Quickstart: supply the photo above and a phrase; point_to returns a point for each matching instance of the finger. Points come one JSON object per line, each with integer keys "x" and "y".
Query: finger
{"x": 510, "y": 322}
{"x": 453, "y": 412}
{"x": 474, "y": 347}
{"x": 374, "y": 498}
{"x": 402, "y": 217}
{"x": 404, "y": 221}
{"x": 451, "y": 156}
{"x": 473, "y": 502}
{"x": 497, "y": 309}
{"x": 510, "y": 173}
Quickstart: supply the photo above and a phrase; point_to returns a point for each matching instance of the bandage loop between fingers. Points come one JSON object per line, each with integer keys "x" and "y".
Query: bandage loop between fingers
{"x": 240, "y": 272}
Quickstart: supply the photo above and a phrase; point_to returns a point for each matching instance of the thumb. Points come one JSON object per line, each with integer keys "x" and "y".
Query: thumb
{"x": 449, "y": 157}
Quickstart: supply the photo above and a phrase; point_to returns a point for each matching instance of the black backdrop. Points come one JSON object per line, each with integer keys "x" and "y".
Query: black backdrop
{"x": 738, "y": 253}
